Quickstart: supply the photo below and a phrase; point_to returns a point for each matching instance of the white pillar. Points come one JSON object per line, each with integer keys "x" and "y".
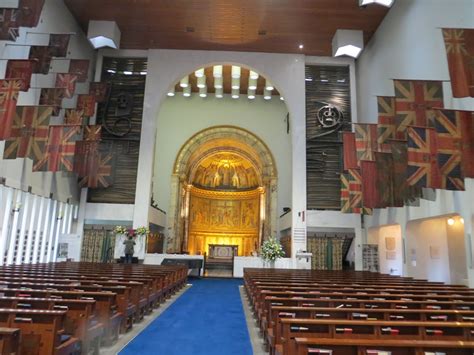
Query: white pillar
{"x": 50, "y": 234}
{"x": 59, "y": 227}
{"x": 25, "y": 216}
{"x": 13, "y": 231}
{"x": 31, "y": 228}
{"x": 69, "y": 219}
{"x": 44, "y": 204}
{"x": 6, "y": 222}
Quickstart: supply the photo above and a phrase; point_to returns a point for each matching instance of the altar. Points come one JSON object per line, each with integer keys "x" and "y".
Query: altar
{"x": 223, "y": 251}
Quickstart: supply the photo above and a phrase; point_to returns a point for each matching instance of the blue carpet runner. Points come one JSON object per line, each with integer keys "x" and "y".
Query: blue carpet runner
{"x": 207, "y": 319}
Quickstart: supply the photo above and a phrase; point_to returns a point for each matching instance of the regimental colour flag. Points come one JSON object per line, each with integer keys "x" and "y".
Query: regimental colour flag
{"x": 8, "y": 24}
{"x": 80, "y": 67}
{"x": 42, "y": 58}
{"x": 453, "y": 130}
{"x": 29, "y": 132}
{"x": 67, "y": 82}
{"x": 29, "y": 12}
{"x": 415, "y": 101}
{"x": 370, "y": 193}
{"x": 92, "y": 133}
{"x": 366, "y": 141}
{"x": 59, "y": 150}
{"x": 58, "y": 44}
{"x": 384, "y": 182}
{"x": 386, "y": 122}
{"x": 20, "y": 69}
{"x": 349, "y": 149}
{"x": 460, "y": 51}
{"x": 87, "y": 104}
{"x": 9, "y": 90}
{"x": 73, "y": 117}
{"x": 101, "y": 171}
{"x": 98, "y": 90}
{"x": 52, "y": 97}
{"x": 423, "y": 170}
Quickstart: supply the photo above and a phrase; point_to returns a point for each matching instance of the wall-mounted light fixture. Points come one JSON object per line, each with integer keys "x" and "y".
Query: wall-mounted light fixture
{"x": 347, "y": 42}
{"x": 104, "y": 34}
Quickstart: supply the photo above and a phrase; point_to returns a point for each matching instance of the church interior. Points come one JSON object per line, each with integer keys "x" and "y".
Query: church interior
{"x": 203, "y": 177}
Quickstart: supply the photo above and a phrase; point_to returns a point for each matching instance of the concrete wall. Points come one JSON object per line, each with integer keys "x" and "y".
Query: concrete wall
{"x": 409, "y": 45}
{"x": 390, "y": 261}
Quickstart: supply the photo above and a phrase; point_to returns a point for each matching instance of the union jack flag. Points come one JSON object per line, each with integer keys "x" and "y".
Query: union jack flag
{"x": 87, "y": 104}
{"x": 67, "y": 82}
{"x": 58, "y": 44}
{"x": 452, "y": 129}
{"x": 100, "y": 173}
{"x": 345, "y": 199}
{"x": 98, "y": 90}
{"x": 460, "y": 51}
{"x": 20, "y": 69}
{"x": 8, "y": 97}
{"x": 42, "y": 57}
{"x": 351, "y": 193}
{"x": 350, "y": 155}
{"x": 30, "y": 12}
{"x": 8, "y": 24}
{"x": 386, "y": 123}
{"x": 52, "y": 97}
{"x": 80, "y": 67}
{"x": 423, "y": 170}
{"x": 366, "y": 141}
{"x": 29, "y": 132}
{"x": 73, "y": 117}
{"x": 92, "y": 133}
{"x": 87, "y": 151}
{"x": 414, "y": 103}
{"x": 60, "y": 147}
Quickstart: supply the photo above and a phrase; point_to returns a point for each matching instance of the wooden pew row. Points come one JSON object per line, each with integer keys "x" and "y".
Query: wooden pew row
{"x": 311, "y": 346}
{"x": 9, "y": 341}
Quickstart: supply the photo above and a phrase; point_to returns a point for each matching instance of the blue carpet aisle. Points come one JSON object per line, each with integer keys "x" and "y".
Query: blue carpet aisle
{"x": 207, "y": 319}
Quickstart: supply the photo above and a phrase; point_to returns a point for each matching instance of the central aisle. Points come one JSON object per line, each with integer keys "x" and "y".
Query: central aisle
{"x": 207, "y": 319}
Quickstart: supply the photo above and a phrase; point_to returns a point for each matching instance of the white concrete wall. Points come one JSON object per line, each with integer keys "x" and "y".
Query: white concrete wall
{"x": 180, "y": 118}
{"x": 390, "y": 261}
{"x": 55, "y": 18}
{"x": 409, "y": 45}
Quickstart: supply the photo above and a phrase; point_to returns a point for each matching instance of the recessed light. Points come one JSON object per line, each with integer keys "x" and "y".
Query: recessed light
{"x": 387, "y": 3}
{"x": 187, "y": 91}
{"x": 126, "y": 72}
{"x": 308, "y": 79}
{"x": 450, "y": 221}
{"x": 282, "y": 98}
{"x": 143, "y": 73}
{"x": 301, "y": 46}
{"x": 184, "y": 82}
{"x": 170, "y": 93}
{"x": 251, "y": 97}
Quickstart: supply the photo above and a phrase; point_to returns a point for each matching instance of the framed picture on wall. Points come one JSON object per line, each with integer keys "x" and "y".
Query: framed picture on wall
{"x": 390, "y": 243}
{"x": 434, "y": 252}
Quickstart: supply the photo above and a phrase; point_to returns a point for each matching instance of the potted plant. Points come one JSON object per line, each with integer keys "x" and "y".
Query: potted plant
{"x": 271, "y": 250}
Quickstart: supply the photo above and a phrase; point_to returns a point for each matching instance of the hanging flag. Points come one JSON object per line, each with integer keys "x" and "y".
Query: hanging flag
{"x": 58, "y": 44}
{"x": 9, "y": 90}
{"x": 459, "y": 45}
{"x": 355, "y": 193}
{"x": 349, "y": 148}
{"x": 101, "y": 172}
{"x": 384, "y": 179}
{"x": 386, "y": 123}
{"x": 345, "y": 193}
{"x": 370, "y": 193}
{"x": 414, "y": 103}
{"x": 98, "y": 90}
{"x": 67, "y": 82}
{"x": 80, "y": 67}
{"x": 400, "y": 165}
{"x": 8, "y": 24}
{"x": 449, "y": 139}
{"x": 29, "y": 132}
{"x": 87, "y": 104}
{"x": 42, "y": 58}
{"x": 52, "y": 97}
{"x": 59, "y": 149}
{"x": 20, "y": 69}
{"x": 92, "y": 133}
{"x": 73, "y": 117}
{"x": 29, "y": 12}
{"x": 468, "y": 145}
{"x": 366, "y": 141}
{"x": 423, "y": 170}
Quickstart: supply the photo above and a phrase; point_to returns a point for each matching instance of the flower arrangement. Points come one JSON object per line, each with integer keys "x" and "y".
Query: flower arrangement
{"x": 271, "y": 250}
{"x": 131, "y": 232}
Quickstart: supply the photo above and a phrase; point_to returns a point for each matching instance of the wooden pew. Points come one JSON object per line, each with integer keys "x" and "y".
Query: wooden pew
{"x": 9, "y": 341}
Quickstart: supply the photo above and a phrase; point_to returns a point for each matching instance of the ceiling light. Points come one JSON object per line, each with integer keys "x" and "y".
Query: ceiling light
{"x": 218, "y": 83}
{"x": 187, "y": 91}
{"x": 267, "y": 94}
{"x": 104, "y": 34}
{"x": 324, "y": 80}
{"x": 308, "y": 79}
{"x": 143, "y": 73}
{"x": 251, "y": 94}
{"x": 235, "y": 83}
{"x": 347, "y": 42}
{"x": 199, "y": 73}
{"x": 341, "y": 80}
{"x": 171, "y": 92}
{"x": 387, "y": 3}
{"x": 201, "y": 82}
{"x": 282, "y": 98}
{"x": 217, "y": 71}
{"x": 252, "y": 84}
{"x": 269, "y": 86}
{"x": 126, "y": 72}
{"x": 203, "y": 91}
{"x": 450, "y": 221}
{"x": 219, "y": 93}
{"x": 111, "y": 71}
{"x": 461, "y": 220}
{"x": 184, "y": 82}
{"x": 253, "y": 75}
{"x": 235, "y": 93}
{"x": 300, "y": 46}
{"x": 235, "y": 72}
